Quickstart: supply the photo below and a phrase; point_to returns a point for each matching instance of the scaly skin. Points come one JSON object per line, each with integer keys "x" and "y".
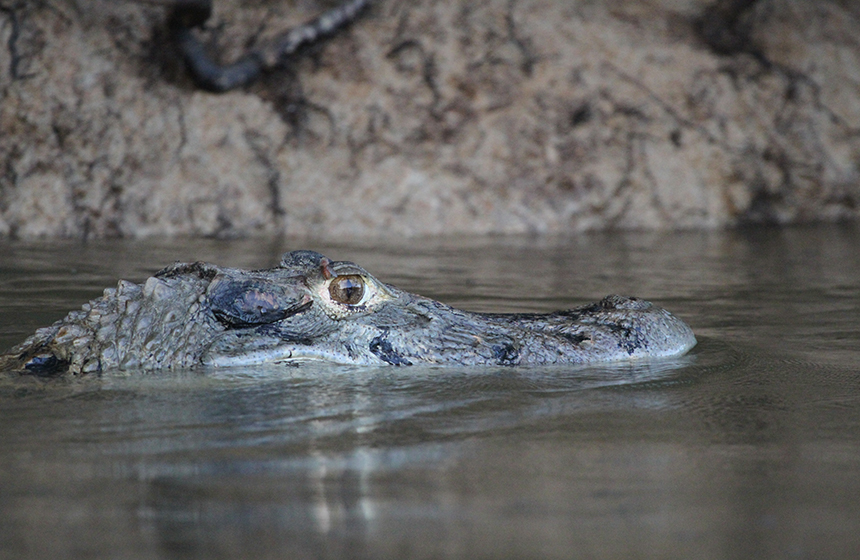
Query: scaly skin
{"x": 309, "y": 308}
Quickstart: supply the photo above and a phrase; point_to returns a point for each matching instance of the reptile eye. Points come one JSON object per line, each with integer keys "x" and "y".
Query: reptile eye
{"x": 348, "y": 289}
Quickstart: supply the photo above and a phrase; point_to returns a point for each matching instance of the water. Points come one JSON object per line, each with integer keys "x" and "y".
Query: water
{"x": 747, "y": 448}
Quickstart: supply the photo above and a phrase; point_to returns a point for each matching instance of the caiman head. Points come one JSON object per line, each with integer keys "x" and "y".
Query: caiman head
{"x": 308, "y": 308}
{"x": 311, "y": 308}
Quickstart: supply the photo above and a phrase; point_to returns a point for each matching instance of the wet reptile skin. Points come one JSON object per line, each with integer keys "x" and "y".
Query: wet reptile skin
{"x": 309, "y": 308}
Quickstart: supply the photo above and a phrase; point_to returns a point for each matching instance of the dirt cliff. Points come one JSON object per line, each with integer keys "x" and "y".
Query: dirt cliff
{"x": 432, "y": 116}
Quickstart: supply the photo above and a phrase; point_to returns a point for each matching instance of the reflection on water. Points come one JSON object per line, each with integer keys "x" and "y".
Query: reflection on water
{"x": 746, "y": 448}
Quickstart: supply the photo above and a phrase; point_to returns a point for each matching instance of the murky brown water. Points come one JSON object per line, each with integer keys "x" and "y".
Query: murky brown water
{"x": 747, "y": 448}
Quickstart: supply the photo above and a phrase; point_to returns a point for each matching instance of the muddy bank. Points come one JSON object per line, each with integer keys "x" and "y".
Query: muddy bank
{"x": 495, "y": 116}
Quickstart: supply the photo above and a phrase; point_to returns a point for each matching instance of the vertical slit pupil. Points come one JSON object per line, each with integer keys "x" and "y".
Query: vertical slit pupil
{"x": 347, "y": 289}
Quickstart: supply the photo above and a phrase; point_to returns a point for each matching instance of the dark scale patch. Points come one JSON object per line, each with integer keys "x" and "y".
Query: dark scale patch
{"x": 201, "y": 270}
{"x": 350, "y": 350}
{"x": 576, "y": 338}
{"x": 383, "y": 350}
{"x": 46, "y": 365}
{"x": 628, "y": 339}
{"x": 286, "y": 336}
{"x": 592, "y": 308}
{"x": 579, "y": 312}
{"x": 506, "y": 354}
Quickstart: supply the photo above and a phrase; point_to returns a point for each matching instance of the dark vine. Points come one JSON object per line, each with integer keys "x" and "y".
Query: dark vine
{"x": 208, "y": 74}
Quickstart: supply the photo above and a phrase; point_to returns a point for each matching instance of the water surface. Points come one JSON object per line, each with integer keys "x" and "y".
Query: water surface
{"x": 749, "y": 447}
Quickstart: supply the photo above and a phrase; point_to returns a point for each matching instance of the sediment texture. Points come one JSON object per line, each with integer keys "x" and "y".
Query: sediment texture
{"x": 430, "y": 116}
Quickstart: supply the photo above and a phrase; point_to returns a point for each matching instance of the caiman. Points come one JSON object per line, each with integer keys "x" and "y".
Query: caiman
{"x": 309, "y": 308}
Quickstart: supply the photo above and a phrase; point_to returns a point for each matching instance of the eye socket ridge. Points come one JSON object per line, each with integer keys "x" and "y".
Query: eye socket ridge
{"x": 348, "y": 289}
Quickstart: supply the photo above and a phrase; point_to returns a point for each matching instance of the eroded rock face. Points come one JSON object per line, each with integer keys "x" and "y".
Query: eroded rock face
{"x": 430, "y": 116}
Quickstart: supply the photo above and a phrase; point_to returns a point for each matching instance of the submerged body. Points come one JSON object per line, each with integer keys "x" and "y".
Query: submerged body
{"x": 309, "y": 308}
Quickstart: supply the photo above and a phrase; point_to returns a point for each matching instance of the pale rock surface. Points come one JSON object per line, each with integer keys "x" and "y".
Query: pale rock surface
{"x": 429, "y": 117}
